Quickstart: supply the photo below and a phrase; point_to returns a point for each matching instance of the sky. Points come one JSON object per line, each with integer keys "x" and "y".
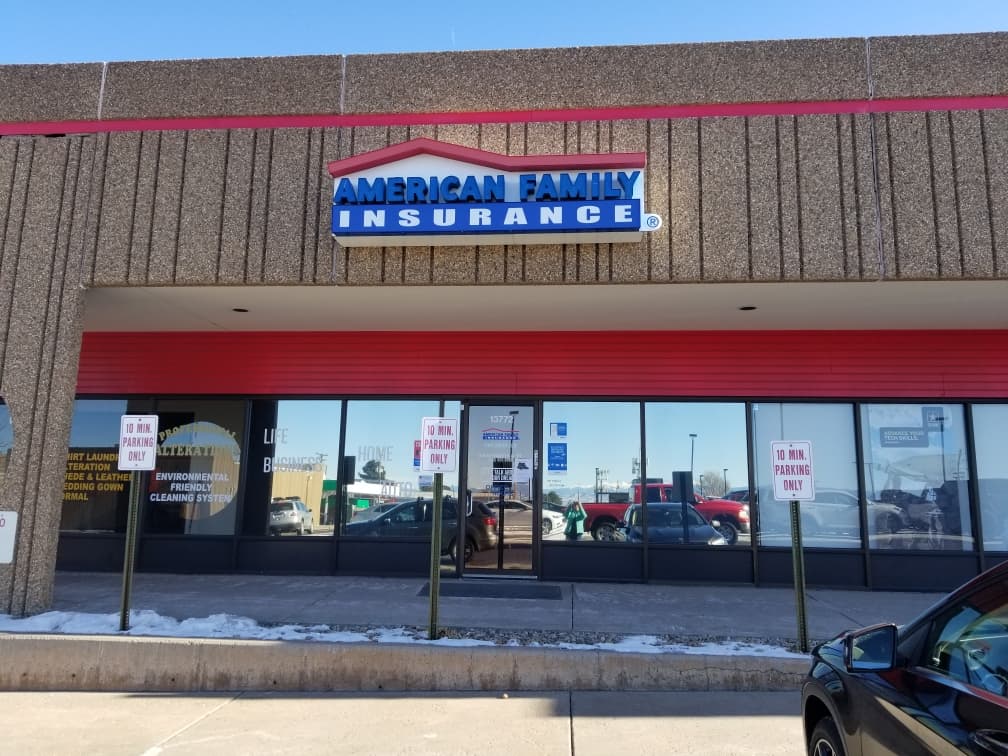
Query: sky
{"x": 113, "y": 30}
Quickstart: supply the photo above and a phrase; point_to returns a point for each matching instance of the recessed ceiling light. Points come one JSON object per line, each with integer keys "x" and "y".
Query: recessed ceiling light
{"x": 746, "y": 308}
{"x": 238, "y": 309}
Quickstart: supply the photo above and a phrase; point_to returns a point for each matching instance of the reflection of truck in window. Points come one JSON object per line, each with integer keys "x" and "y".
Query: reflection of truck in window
{"x": 605, "y": 517}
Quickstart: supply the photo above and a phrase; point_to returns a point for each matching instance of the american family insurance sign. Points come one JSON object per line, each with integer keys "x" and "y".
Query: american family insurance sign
{"x": 425, "y": 192}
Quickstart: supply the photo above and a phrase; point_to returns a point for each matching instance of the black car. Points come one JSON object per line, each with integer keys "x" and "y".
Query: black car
{"x": 936, "y": 685}
{"x": 665, "y": 525}
{"x": 413, "y": 518}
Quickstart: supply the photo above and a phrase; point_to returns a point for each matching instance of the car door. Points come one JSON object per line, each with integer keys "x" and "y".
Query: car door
{"x": 953, "y": 695}
{"x": 405, "y": 521}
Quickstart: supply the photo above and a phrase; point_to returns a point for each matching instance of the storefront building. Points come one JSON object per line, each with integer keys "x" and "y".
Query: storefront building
{"x": 611, "y": 265}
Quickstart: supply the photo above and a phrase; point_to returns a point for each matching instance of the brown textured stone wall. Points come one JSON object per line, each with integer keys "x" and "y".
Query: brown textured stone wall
{"x": 494, "y": 80}
{"x": 44, "y": 204}
{"x": 763, "y": 198}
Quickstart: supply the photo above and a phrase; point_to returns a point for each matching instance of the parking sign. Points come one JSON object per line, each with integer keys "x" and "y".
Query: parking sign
{"x": 792, "y": 470}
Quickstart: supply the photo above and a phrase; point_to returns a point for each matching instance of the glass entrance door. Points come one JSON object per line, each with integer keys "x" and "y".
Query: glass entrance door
{"x": 500, "y": 487}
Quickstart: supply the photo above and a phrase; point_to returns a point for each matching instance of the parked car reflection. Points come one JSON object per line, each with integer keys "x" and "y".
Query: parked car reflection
{"x": 833, "y": 520}
{"x": 519, "y": 518}
{"x": 413, "y": 519}
{"x": 289, "y": 515}
{"x": 665, "y": 524}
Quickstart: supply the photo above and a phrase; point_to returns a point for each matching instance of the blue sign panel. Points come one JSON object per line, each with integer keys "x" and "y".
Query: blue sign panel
{"x": 491, "y": 218}
{"x": 556, "y": 457}
{"x": 558, "y": 430}
{"x": 910, "y": 437}
{"x": 496, "y": 434}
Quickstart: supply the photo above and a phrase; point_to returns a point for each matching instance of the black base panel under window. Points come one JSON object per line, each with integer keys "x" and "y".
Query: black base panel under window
{"x": 823, "y": 569}
{"x": 186, "y": 555}
{"x": 384, "y": 558}
{"x": 700, "y": 565}
{"x": 90, "y": 552}
{"x": 276, "y": 556}
{"x": 921, "y": 572}
{"x": 496, "y": 589}
{"x": 588, "y": 560}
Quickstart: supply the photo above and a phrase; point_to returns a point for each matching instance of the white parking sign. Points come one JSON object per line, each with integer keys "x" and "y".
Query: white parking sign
{"x": 792, "y": 470}
{"x": 138, "y": 442}
{"x": 439, "y": 444}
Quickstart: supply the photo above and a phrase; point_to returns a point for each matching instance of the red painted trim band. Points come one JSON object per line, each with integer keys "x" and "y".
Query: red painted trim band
{"x": 963, "y": 364}
{"x": 638, "y": 112}
{"x": 425, "y": 146}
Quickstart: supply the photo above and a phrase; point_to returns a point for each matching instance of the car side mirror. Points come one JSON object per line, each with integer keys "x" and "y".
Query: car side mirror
{"x": 872, "y": 649}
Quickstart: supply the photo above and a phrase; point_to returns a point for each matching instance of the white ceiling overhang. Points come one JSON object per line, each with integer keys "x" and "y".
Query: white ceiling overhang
{"x": 522, "y": 307}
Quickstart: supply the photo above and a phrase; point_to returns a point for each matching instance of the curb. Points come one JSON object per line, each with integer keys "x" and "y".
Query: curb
{"x": 109, "y": 663}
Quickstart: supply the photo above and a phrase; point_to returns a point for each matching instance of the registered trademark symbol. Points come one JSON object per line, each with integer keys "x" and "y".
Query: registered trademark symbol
{"x": 652, "y": 221}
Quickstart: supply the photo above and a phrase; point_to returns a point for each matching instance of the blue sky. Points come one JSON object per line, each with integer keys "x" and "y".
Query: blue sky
{"x": 110, "y": 30}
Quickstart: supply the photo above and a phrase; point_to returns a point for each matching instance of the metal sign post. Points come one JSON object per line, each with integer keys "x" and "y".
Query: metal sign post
{"x": 794, "y": 483}
{"x": 129, "y": 555}
{"x": 435, "y": 566}
{"x": 438, "y": 454}
{"x": 137, "y": 451}
{"x": 798, "y": 563}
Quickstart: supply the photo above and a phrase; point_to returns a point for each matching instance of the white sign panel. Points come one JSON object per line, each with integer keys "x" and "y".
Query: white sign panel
{"x": 439, "y": 444}
{"x": 8, "y": 530}
{"x": 792, "y": 470}
{"x": 523, "y": 470}
{"x": 138, "y": 442}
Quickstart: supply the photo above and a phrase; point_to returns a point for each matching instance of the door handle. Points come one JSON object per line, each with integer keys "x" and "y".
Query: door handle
{"x": 991, "y": 741}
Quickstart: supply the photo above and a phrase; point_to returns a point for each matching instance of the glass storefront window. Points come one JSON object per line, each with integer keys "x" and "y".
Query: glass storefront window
{"x": 194, "y": 488}
{"x": 383, "y": 437}
{"x": 915, "y": 462}
{"x": 95, "y": 493}
{"x": 707, "y": 441}
{"x": 592, "y": 454}
{"x": 833, "y": 519}
{"x": 989, "y": 423}
{"x": 301, "y": 465}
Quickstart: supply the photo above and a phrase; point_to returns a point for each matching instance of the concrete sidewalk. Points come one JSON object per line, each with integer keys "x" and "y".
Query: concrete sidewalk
{"x": 690, "y": 611}
{"x": 526, "y": 619}
{"x": 553, "y": 723}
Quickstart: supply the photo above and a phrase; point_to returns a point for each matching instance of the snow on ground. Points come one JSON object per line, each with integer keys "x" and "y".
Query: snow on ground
{"x": 149, "y": 623}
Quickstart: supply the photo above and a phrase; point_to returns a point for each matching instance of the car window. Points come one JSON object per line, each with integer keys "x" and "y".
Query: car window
{"x": 406, "y": 513}
{"x": 694, "y": 519}
{"x": 666, "y": 517}
{"x": 969, "y": 641}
